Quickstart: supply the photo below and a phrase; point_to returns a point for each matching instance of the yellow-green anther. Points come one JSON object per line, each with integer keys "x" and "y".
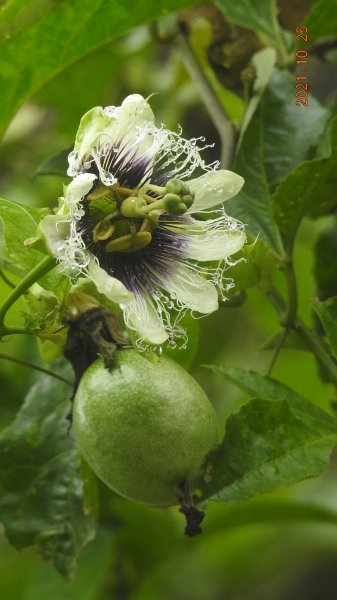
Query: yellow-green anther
{"x": 147, "y": 225}
{"x": 103, "y": 230}
{"x": 101, "y": 192}
{"x": 124, "y": 191}
{"x": 131, "y": 206}
{"x": 130, "y": 242}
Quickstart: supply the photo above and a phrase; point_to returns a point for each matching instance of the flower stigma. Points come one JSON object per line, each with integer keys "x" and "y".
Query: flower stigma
{"x": 116, "y": 210}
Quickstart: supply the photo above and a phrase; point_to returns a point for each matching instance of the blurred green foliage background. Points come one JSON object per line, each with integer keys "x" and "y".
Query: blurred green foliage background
{"x": 264, "y": 549}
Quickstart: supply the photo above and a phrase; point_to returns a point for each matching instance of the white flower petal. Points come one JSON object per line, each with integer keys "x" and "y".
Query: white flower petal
{"x": 124, "y": 128}
{"x": 213, "y": 188}
{"x": 79, "y": 187}
{"x": 133, "y": 112}
{"x": 64, "y": 242}
{"x": 141, "y": 316}
{"x": 59, "y": 230}
{"x": 54, "y": 231}
{"x": 214, "y": 239}
{"x": 111, "y": 287}
{"x": 191, "y": 290}
{"x": 93, "y": 124}
{"x": 133, "y": 132}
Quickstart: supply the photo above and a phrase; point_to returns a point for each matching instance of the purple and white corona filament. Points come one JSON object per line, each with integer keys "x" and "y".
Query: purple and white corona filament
{"x": 126, "y": 222}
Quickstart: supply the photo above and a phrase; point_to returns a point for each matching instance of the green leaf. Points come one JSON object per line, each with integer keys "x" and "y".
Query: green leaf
{"x": 267, "y": 445}
{"x": 90, "y": 490}
{"x": 327, "y": 312}
{"x": 44, "y": 315}
{"x": 257, "y": 267}
{"x": 41, "y": 489}
{"x": 41, "y": 38}
{"x": 252, "y": 204}
{"x": 259, "y": 16}
{"x": 256, "y": 385}
{"x": 309, "y": 187}
{"x": 271, "y": 442}
{"x": 325, "y": 268}
{"x": 18, "y": 223}
{"x": 275, "y": 140}
{"x": 245, "y": 274}
{"x": 57, "y": 164}
{"x": 288, "y": 132}
{"x": 263, "y": 63}
{"x": 260, "y": 256}
{"x": 321, "y": 20}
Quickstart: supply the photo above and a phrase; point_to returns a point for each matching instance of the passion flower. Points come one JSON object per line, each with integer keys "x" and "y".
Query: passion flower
{"x": 126, "y": 220}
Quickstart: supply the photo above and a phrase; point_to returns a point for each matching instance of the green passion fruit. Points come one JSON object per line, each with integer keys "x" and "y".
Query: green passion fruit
{"x": 143, "y": 427}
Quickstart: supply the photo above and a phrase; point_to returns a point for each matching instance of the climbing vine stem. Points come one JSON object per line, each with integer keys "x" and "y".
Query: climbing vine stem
{"x": 287, "y": 310}
{"x": 43, "y": 267}
{"x": 288, "y": 313}
{"x": 307, "y": 336}
{"x": 30, "y": 365}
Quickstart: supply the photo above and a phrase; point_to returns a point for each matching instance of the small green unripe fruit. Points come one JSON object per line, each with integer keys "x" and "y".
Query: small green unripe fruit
{"x": 143, "y": 427}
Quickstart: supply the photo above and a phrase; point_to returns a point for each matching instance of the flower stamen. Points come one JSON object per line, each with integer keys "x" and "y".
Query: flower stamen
{"x": 147, "y": 225}
{"x": 104, "y": 229}
{"x": 124, "y": 191}
{"x": 100, "y": 192}
{"x": 130, "y": 242}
